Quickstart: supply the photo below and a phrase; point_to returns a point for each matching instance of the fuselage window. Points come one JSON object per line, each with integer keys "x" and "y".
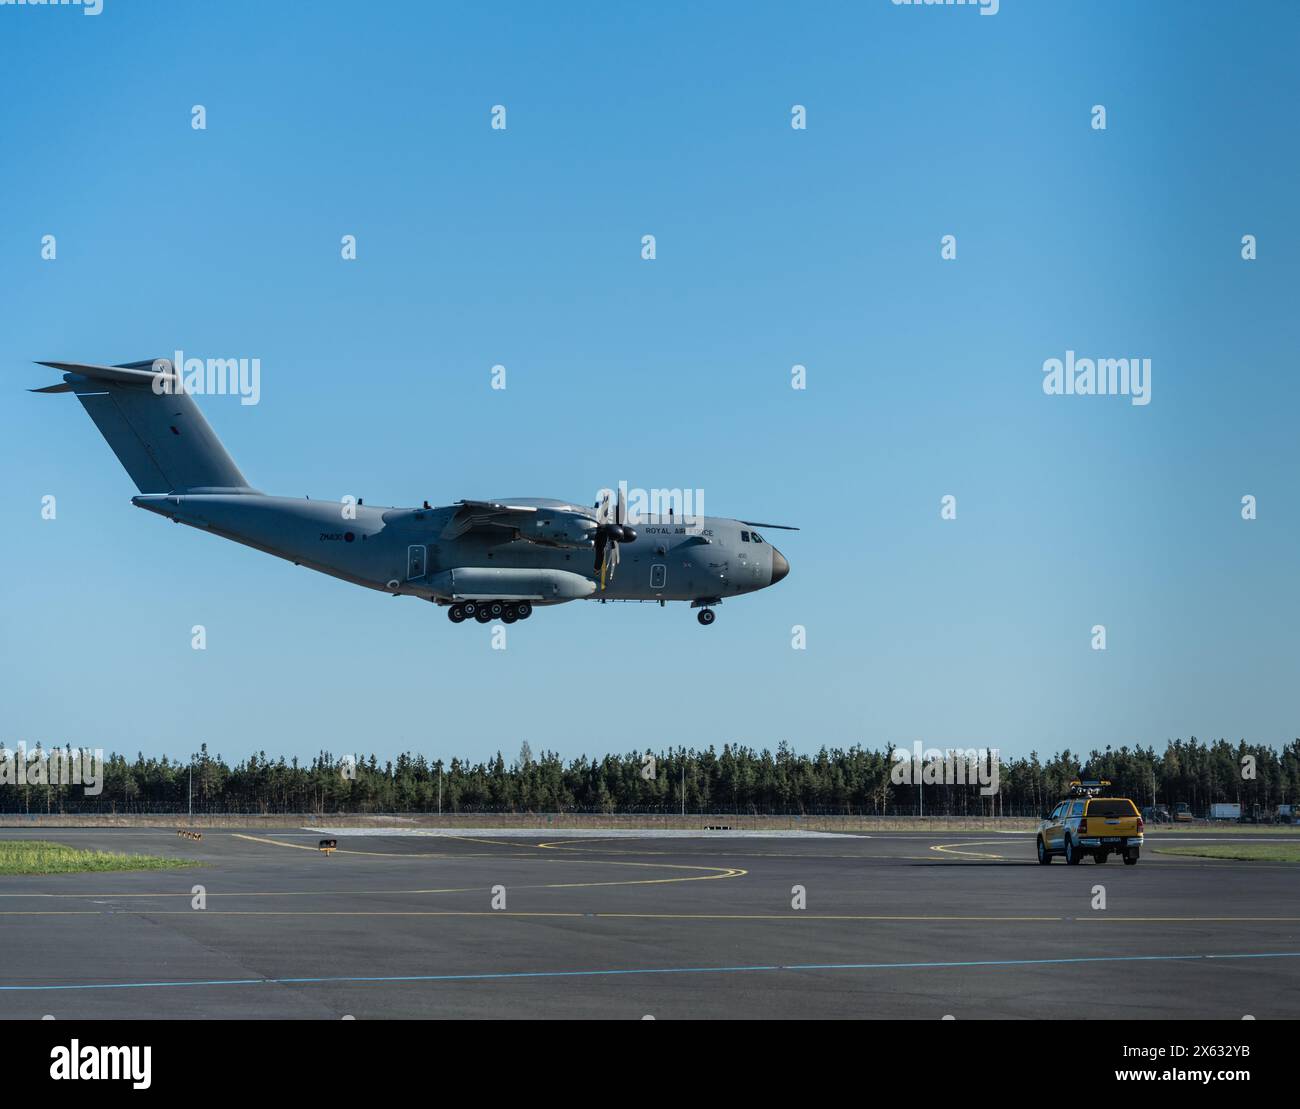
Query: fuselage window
{"x": 744, "y": 537}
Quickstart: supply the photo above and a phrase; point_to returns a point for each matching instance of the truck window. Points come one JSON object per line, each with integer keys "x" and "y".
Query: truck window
{"x": 1076, "y": 808}
{"x": 1114, "y": 806}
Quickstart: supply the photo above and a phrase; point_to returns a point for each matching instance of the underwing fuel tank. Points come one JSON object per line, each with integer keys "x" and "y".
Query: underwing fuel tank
{"x": 487, "y": 583}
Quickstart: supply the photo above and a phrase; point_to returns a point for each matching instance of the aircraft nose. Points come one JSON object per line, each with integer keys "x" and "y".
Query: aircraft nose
{"x": 780, "y": 567}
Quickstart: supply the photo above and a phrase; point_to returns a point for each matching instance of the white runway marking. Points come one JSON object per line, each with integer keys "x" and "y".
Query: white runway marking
{"x": 578, "y": 833}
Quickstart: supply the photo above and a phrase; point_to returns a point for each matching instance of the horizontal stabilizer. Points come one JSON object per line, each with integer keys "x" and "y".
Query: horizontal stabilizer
{"x": 133, "y": 373}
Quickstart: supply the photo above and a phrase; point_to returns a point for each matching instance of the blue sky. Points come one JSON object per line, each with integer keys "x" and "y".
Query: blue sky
{"x": 775, "y": 246}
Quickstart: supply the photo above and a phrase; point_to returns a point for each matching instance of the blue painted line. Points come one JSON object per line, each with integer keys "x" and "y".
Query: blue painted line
{"x": 653, "y": 970}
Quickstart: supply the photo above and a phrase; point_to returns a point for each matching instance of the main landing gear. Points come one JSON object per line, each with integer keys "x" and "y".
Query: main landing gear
{"x": 487, "y": 611}
{"x": 706, "y": 616}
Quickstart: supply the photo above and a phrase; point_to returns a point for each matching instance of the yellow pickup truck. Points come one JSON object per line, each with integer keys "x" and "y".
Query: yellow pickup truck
{"x": 1085, "y": 824}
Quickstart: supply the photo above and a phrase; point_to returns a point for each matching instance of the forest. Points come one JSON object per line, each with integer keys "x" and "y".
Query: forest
{"x": 736, "y": 779}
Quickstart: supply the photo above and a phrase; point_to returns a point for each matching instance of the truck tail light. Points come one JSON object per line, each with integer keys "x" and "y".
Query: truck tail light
{"x": 1142, "y": 825}
{"x": 1083, "y": 826}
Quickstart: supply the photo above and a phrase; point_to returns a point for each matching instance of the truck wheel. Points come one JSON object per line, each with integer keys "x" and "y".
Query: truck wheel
{"x": 1043, "y": 856}
{"x": 1131, "y": 859}
{"x": 1102, "y": 856}
{"x": 1071, "y": 855}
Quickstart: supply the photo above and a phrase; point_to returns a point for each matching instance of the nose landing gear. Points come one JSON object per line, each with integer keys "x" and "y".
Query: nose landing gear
{"x": 706, "y": 615}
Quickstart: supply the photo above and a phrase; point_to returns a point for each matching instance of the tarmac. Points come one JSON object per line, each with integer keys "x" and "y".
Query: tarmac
{"x": 517, "y": 924}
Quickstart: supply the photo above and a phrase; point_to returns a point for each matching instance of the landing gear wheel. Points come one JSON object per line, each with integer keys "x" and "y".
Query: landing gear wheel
{"x": 470, "y": 609}
{"x": 495, "y": 608}
{"x": 456, "y": 614}
{"x": 1071, "y": 855}
{"x": 706, "y": 616}
{"x": 482, "y": 615}
{"x": 524, "y": 609}
{"x": 1043, "y": 856}
{"x": 509, "y": 614}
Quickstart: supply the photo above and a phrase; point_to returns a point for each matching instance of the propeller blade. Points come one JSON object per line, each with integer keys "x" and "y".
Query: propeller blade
{"x": 610, "y": 531}
{"x": 611, "y": 564}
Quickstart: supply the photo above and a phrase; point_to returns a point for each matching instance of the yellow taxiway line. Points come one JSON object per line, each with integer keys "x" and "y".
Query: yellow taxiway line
{"x": 715, "y": 872}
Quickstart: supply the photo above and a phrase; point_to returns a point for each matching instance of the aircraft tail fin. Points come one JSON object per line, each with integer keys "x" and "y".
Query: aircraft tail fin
{"x": 154, "y": 427}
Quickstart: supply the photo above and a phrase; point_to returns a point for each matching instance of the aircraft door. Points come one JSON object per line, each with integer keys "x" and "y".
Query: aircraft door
{"x": 414, "y": 562}
{"x": 658, "y": 577}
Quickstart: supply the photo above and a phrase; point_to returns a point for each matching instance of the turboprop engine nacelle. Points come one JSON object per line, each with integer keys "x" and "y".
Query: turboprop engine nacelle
{"x": 561, "y": 529}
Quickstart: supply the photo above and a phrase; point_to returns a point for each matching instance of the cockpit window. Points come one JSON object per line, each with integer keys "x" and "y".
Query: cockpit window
{"x": 744, "y": 537}
{"x": 757, "y": 538}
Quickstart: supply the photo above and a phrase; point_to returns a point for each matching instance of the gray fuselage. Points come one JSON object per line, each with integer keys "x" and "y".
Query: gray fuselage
{"x": 404, "y": 551}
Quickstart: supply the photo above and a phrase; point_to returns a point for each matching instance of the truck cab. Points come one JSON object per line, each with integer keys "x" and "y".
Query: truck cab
{"x": 1086, "y": 823}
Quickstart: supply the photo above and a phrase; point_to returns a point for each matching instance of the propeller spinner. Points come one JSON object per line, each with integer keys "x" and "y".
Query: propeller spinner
{"x": 609, "y": 534}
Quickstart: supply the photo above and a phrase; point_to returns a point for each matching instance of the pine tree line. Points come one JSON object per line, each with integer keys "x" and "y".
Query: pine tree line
{"x": 738, "y": 779}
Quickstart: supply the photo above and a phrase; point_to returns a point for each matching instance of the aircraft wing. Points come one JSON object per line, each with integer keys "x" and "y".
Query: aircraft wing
{"x": 487, "y": 516}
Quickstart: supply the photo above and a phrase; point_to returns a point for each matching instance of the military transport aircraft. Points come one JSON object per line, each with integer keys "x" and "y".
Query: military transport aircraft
{"x": 482, "y": 560}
